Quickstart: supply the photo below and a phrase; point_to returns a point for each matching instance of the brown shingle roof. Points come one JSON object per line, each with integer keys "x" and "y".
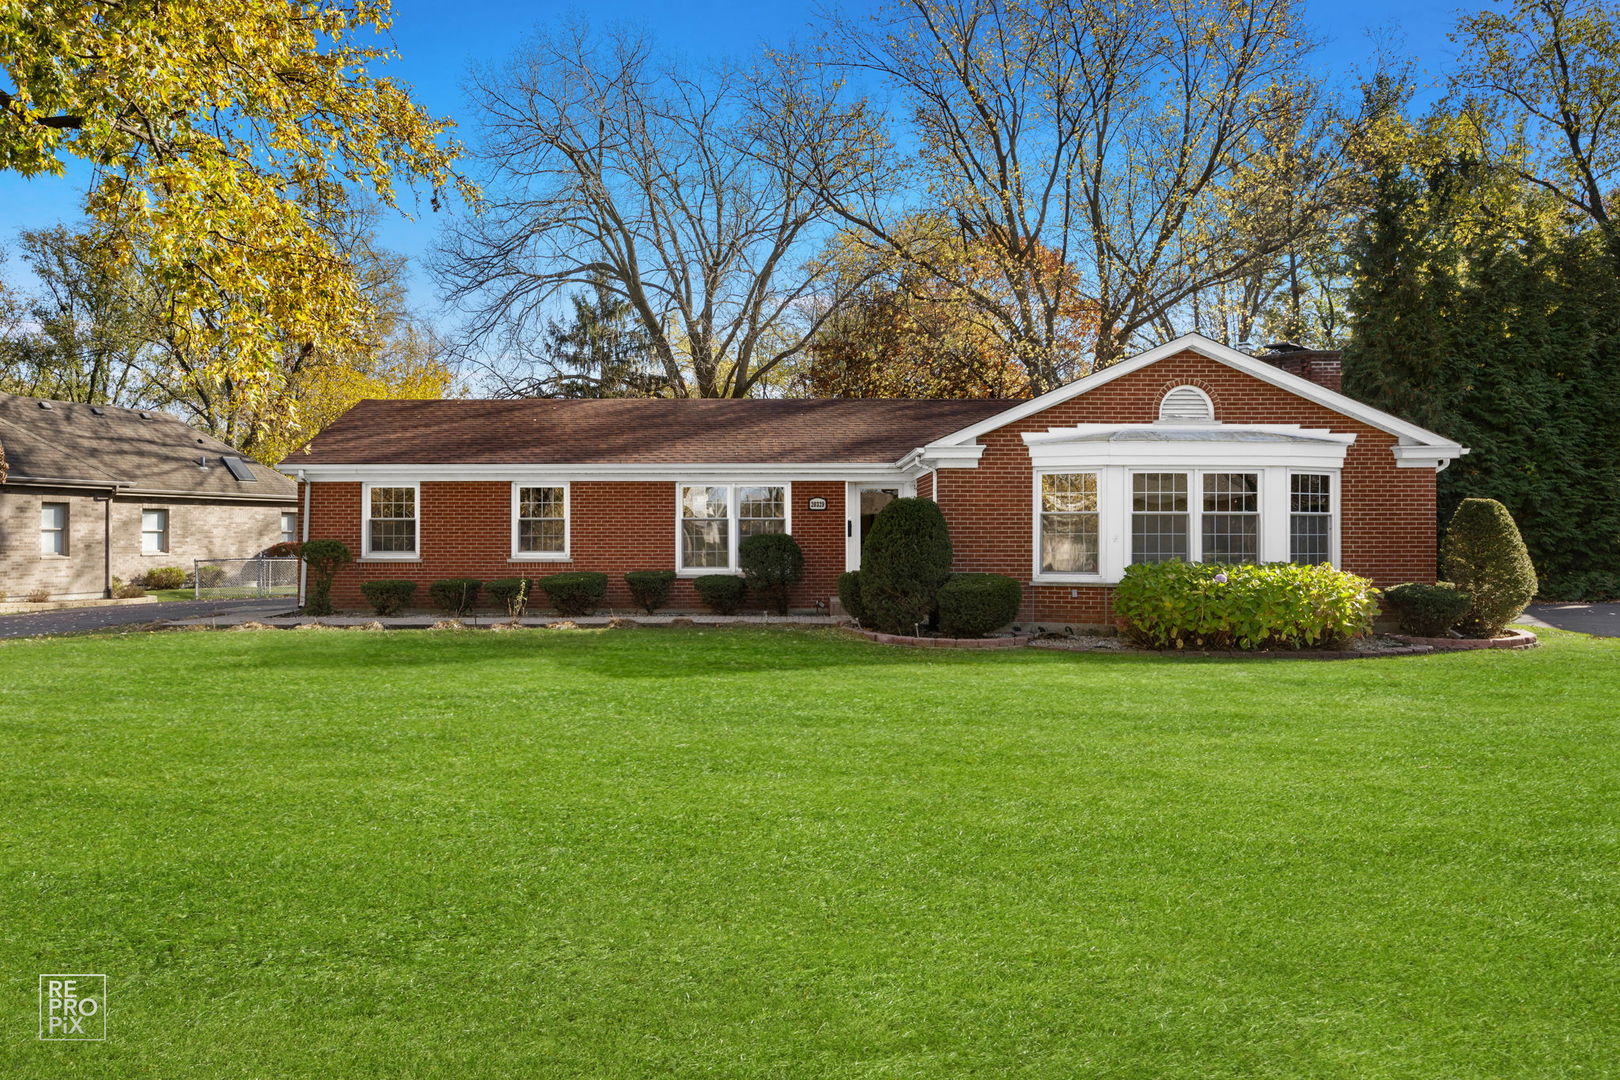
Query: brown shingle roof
{"x": 99, "y": 444}
{"x": 637, "y": 431}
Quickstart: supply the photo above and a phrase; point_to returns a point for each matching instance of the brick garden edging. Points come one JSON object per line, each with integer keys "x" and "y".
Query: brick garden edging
{"x": 1016, "y": 641}
{"x": 1515, "y": 639}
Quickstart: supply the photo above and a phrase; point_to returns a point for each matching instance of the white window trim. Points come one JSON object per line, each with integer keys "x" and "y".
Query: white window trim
{"x": 1114, "y": 487}
{"x": 566, "y": 554}
{"x": 733, "y": 533}
{"x": 365, "y": 523}
{"x": 65, "y": 533}
{"x": 286, "y": 539}
{"x": 167, "y": 521}
{"x": 1334, "y": 486}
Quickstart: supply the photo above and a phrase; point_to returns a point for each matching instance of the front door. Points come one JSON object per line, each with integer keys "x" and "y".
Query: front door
{"x": 862, "y": 504}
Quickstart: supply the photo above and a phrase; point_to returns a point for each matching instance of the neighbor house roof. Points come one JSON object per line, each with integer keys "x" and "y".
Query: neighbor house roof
{"x": 636, "y": 431}
{"x": 60, "y": 442}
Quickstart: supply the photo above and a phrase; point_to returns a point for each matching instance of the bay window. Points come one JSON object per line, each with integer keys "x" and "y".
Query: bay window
{"x": 539, "y": 521}
{"x": 390, "y": 522}
{"x": 1068, "y": 523}
{"x": 713, "y": 519}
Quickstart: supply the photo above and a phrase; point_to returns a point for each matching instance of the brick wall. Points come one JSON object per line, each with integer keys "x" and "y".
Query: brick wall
{"x": 198, "y": 529}
{"x": 615, "y": 526}
{"x": 1387, "y": 528}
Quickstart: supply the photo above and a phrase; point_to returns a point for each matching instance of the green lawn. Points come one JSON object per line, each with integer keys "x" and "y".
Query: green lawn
{"x": 649, "y": 853}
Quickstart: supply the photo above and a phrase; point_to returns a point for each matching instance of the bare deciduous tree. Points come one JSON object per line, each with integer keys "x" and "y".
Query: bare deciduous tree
{"x": 667, "y": 188}
{"x": 1153, "y": 147}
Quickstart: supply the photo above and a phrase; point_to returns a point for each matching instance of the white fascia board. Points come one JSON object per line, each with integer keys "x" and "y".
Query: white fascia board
{"x": 1222, "y": 456}
{"x": 1214, "y": 350}
{"x": 928, "y": 458}
{"x": 1428, "y": 457}
{"x": 718, "y": 473}
{"x": 1293, "y": 431}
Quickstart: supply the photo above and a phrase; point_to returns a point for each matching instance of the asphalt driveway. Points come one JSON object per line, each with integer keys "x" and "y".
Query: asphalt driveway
{"x": 75, "y": 620}
{"x": 1602, "y": 620}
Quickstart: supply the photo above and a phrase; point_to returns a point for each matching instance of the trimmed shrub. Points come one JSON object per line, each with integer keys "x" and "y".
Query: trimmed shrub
{"x": 772, "y": 564}
{"x": 972, "y": 605}
{"x": 456, "y": 596}
{"x": 166, "y": 577}
{"x": 1174, "y": 605}
{"x": 576, "y": 592}
{"x": 511, "y": 593}
{"x": 120, "y": 591}
{"x": 650, "y": 588}
{"x": 905, "y": 560}
{"x": 322, "y": 558}
{"x": 1484, "y": 556}
{"x": 849, "y": 594}
{"x": 388, "y": 596}
{"x": 720, "y": 593}
{"x": 1427, "y": 610}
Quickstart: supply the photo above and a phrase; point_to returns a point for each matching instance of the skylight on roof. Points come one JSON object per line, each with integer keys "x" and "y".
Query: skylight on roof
{"x": 239, "y": 469}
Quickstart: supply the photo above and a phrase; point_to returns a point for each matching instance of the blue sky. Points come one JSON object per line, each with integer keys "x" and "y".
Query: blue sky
{"x": 438, "y": 42}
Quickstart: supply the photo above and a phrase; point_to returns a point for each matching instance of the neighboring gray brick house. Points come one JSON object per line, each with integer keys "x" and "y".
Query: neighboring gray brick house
{"x": 89, "y": 493}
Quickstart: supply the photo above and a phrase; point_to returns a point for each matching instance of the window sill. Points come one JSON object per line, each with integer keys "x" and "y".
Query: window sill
{"x": 390, "y": 558}
{"x": 528, "y": 557}
{"x": 1072, "y": 579}
{"x": 704, "y": 571}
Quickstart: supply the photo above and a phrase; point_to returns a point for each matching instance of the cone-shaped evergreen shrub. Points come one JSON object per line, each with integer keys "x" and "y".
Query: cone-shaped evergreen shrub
{"x": 906, "y": 559}
{"x": 1485, "y": 557}
{"x": 772, "y": 564}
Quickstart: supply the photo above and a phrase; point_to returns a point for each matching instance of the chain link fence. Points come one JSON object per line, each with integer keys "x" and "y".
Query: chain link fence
{"x": 244, "y": 579}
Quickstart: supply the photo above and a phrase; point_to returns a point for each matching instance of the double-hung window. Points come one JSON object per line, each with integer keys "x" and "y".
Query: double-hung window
{"x": 390, "y": 524}
{"x": 154, "y": 532}
{"x": 53, "y": 528}
{"x": 1069, "y": 524}
{"x": 715, "y": 518}
{"x": 1230, "y": 529}
{"x": 289, "y": 527}
{"x": 1310, "y": 518}
{"x": 539, "y": 521}
{"x": 1159, "y": 518}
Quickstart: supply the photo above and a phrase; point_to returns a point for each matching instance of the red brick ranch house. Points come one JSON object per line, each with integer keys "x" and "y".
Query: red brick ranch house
{"x": 1192, "y": 450}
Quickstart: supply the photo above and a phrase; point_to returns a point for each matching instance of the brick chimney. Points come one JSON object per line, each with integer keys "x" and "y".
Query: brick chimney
{"x": 1320, "y": 366}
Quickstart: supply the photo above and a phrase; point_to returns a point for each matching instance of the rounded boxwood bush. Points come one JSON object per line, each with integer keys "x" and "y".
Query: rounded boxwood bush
{"x": 457, "y": 596}
{"x": 650, "y": 588}
{"x": 511, "y": 593}
{"x": 576, "y": 592}
{"x": 905, "y": 560}
{"x": 1427, "y": 610}
{"x": 972, "y": 605}
{"x": 322, "y": 558}
{"x": 720, "y": 593}
{"x": 772, "y": 564}
{"x": 849, "y": 594}
{"x": 1484, "y": 556}
{"x": 1175, "y": 605}
{"x": 388, "y": 596}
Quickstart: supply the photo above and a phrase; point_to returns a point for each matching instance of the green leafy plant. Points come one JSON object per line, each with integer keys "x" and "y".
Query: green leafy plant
{"x": 164, "y": 577}
{"x": 511, "y": 593}
{"x": 1274, "y": 606}
{"x": 972, "y": 605}
{"x": 1484, "y": 556}
{"x": 849, "y": 595}
{"x": 121, "y": 591}
{"x": 456, "y": 596}
{"x": 1427, "y": 610}
{"x": 907, "y": 557}
{"x": 650, "y": 589}
{"x": 720, "y": 593}
{"x": 323, "y": 559}
{"x": 576, "y": 592}
{"x": 388, "y": 596}
{"x": 772, "y": 564}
